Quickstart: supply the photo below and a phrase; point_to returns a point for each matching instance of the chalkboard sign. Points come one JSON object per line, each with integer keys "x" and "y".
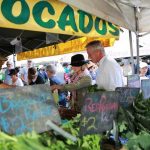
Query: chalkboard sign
{"x": 127, "y": 95}
{"x": 145, "y": 86}
{"x": 27, "y": 108}
{"x": 98, "y": 112}
{"x": 133, "y": 81}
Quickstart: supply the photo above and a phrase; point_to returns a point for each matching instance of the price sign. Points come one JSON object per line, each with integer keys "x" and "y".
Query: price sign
{"x": 133, "y": 81}
{"x": 127, "y": 95}
{"x": 27, "y": 108}
{"x": 98, "y": 112}
{"x": 145, "y": 86}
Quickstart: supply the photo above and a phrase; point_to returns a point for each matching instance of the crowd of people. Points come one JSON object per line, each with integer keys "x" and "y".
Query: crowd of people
{"x": 80, "y": 73}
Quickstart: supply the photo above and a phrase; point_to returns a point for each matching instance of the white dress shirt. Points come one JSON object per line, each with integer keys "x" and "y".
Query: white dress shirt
{"x": 18, "y": 82}
{"x": 109, "y": 74}
{"x": 24, "y": 72}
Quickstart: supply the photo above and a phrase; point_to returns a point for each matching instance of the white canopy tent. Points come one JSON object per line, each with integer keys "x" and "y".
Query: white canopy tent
{"x": 133, "y": 15}
{"x": 125, "y": 13}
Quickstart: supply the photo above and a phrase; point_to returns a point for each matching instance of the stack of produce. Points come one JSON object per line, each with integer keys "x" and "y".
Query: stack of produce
{"x": 134, "y": 124}
{"x": 51, "y": 140}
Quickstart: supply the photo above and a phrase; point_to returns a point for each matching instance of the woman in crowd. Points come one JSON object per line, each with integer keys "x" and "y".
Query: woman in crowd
{"x": 79, "y": 80}
{"x": 67, "y": 72}
{"x": 143, "y": 70}
{"x": 34, "y": 77}
{"x": 15, "y": 80}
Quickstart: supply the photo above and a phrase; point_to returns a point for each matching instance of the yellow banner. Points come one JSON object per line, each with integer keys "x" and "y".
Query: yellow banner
{"x": 76, "y": 45}
{"x": 55, "y": 17}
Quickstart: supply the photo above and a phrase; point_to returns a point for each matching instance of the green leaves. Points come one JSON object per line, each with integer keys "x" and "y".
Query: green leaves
{"x": 134, "y": 124}
{"x": 141, "y": 141}
{"x": 50, "y": 140}
{"x": 122, "y": 126}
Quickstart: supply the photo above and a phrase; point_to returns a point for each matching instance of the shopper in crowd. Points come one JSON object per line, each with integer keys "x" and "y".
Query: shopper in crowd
{"x": 55, "y": 80}
{"x": 42, "y": 72}
{"x": 92, "y": 69}
{"x": 67, "y": 72}
{"x": 80, "y": 79}
{"x": 24, "y": 72}
{"x": 109, "y": 74}
{"x": 143, "y": 70}
{"x": 60, "y": 71}
{"x": 16, "y": 81}
{"x": 7, "y": 76}
{"x": 34, "y": 77}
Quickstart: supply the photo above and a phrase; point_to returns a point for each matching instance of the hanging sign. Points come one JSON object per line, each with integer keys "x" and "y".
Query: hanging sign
{"x": 72, "y": 46}
{"x": 54, "y": 17}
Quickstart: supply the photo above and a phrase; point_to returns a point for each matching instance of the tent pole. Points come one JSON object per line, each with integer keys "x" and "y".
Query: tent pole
{"x": 14, "y": 58}
{"x": 137, "y": 47}
{"x": 131, "y": 51}
{"x": 137, "y": 10}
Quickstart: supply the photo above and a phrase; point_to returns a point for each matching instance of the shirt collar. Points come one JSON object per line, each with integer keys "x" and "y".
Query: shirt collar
{"x": 101, "y": 61}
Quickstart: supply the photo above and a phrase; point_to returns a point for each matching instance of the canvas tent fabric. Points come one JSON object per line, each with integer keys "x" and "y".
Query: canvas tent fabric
{"x": 130, "y": 14}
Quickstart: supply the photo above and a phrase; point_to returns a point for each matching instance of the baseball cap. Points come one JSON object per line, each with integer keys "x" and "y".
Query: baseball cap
{"x": 143, "y": 64}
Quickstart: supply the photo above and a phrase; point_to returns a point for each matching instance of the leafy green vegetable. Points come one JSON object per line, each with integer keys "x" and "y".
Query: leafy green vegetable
{"x": 141, "y": 141}
{"x": 51, "y": 140}
{"x": 134, "y": 124}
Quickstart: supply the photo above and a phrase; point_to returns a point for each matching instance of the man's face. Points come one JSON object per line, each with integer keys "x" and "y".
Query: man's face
{"x": 13, "y": 77}
{"x": 29, "y": 64}
{"x": 93, "y": 55}
{"x": 49, "y": 74}
{"x": 9, "y": 66}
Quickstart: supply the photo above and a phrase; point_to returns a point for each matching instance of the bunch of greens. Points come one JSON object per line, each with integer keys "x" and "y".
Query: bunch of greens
{"x": 51, "y": 140}
{"x": 94, "y": 88}
{"x": 139, "y": 141}
{"x": 134, "y": 124}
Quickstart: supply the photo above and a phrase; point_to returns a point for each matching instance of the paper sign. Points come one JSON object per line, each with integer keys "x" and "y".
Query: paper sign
{"x": 133, "y": 81}
{"x": 145, "y": 86}
{"x": 127, "y": 95}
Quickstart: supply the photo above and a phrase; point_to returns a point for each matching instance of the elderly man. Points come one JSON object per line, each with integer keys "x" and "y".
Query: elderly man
{"x": 24, "y": 72}
{"x": 109, "y": 74}
{"x": 7, "y": 76}
{"x": 54, "y": 80}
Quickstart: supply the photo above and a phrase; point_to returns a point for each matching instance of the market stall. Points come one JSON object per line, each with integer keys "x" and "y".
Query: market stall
{"x": 54, "y": 22}
{"x": 132, "y": 15}
{"x": 99, "y": 114}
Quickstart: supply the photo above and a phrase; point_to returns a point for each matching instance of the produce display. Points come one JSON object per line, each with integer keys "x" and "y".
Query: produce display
{"x": 134, "y": 124}
{"x": 51, "y": 140}
{"x": 133, "y": 129}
